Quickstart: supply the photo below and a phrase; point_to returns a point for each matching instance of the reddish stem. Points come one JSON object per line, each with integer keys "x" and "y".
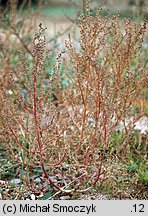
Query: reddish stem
{"x": 37, "y": 129}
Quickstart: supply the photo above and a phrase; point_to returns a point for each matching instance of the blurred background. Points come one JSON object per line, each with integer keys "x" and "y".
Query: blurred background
{"x": 129, "y": 8}
{"x": 58, "y": 15}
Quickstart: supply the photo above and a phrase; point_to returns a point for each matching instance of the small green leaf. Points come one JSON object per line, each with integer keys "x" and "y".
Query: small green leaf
{"x": 46, "y": 196}
{"x": 39, "y": 170}
{"x": 144, "y": 178}
{"x": 68, "y": 188}
{"x": 132, "y": 167}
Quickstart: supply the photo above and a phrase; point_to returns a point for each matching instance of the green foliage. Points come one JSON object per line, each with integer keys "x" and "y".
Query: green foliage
{"x": 132, "y": 168}
{"x": 138, "y": 157}
{"x": 46, "y": 196}
{"x": 39, "y": 170}
{"x": 143, "y": 177}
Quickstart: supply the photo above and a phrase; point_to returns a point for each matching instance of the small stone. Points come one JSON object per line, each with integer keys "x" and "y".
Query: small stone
{"x": 10, "y": 92}
{"x": 53, "y": 179}
{"x": 37, "y": 180}
{"x": 64, "y": 198}
{"x": 2, "y": 182}
{"x": 15, "y": 181}
{"x": 32, "y": 196}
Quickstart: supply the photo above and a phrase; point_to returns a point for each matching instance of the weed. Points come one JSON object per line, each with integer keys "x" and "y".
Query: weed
{"x": 65, "y": 136}
{"x": 106, "y": 80}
